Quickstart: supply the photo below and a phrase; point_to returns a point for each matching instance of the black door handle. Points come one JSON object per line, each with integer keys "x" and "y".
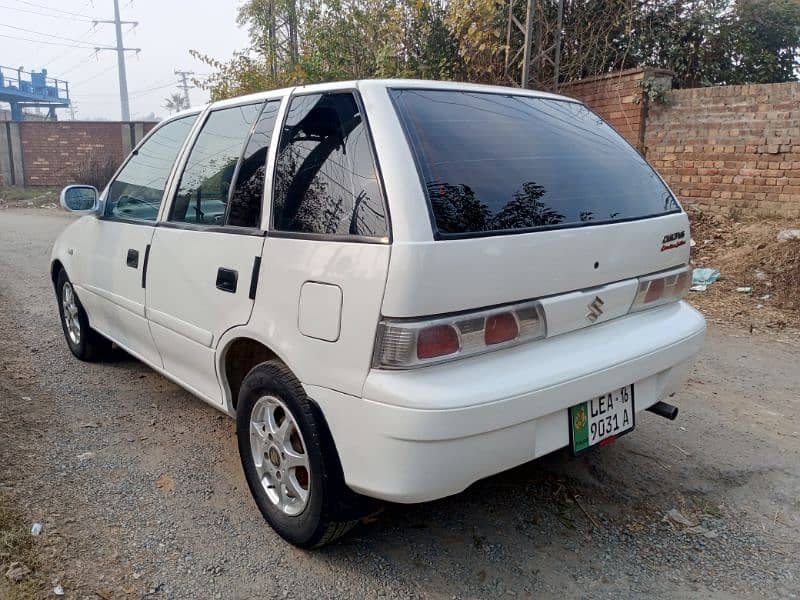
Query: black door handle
{"x": 133, "y": 259}
{"x": 226, "y": 280}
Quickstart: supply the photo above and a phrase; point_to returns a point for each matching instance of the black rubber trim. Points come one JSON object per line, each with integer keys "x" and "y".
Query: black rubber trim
{"x": 506, "y": 232}
{"x": 144, "y": 265}
{"x": 212, "y": 228}
{"x": 327, "y": 237}
{"x": 128, "y": 221}
{"x": 254, "y": 278}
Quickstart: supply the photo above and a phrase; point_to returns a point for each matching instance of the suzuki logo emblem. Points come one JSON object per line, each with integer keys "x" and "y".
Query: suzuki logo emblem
{"x": 595, "y": 309}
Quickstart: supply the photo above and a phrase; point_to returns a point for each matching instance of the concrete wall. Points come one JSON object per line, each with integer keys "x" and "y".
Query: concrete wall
{"x": 48, "y": 153}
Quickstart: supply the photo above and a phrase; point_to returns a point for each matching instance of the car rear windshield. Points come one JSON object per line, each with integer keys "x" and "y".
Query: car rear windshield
{"x": 497, "y": 163}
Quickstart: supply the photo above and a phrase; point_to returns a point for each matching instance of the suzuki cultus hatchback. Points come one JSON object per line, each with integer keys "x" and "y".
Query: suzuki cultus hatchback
{"x": 396, "y": 287}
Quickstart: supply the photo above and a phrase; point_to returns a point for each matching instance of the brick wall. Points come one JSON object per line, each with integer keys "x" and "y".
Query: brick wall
{"x": 49, "y": 153}
{"x": 615, "y": 97}
{"x": 722, "y": 149}
{"x": 52, "y": 151}
{"x": 731, "y": 148}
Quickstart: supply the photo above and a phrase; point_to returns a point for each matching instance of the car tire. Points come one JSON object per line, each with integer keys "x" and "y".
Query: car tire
{"x": 84, "y": 342}
{"x": 303, "y": 498}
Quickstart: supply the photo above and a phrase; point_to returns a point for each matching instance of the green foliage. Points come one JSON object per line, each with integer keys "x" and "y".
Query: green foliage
{"x": 705, "y": 42}
{"x": 176, "y": 102}
{"x": 761, "y": 41}
{"x": 710, "y": 42}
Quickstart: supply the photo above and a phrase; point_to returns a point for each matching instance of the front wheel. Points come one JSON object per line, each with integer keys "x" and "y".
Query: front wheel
{"x": 84, "y": 342}
{"x": 289, "y": 461}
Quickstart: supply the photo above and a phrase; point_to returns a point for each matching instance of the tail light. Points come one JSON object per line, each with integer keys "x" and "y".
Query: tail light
{"x": 662, "y": 288}
{"x": 403, "y": 344}
{"x": 438, "y": 340}
{"x": 408, "y": 343}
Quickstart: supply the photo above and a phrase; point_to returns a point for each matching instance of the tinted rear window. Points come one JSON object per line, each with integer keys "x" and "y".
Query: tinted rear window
{"x": 494, "y": 162}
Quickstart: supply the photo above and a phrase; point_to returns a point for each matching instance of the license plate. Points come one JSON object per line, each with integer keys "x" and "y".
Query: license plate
{"x": 601, "y": 419}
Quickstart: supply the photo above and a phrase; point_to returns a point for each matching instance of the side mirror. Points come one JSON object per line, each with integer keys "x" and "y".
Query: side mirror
{"x": 81, "y": 199}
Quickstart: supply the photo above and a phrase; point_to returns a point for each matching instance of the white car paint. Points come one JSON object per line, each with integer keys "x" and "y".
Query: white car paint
{"x": 402, "y": 435}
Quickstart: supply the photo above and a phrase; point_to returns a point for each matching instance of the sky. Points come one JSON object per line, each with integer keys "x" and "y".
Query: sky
{"x": 59, "y": 36}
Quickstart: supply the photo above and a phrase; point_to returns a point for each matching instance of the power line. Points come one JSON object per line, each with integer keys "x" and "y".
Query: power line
{"x": 81, "y": 62}
{"x": 41, "y": 14}
{"x": 24, "y": 39}
{"x": 103, "y": 72}
{"x": 82, "y": 9}
{"x": 49, "y": 8}
{"x": 89, "y": 33}
{"x": 49, "y": 35}
{"x": 153, "y": 89}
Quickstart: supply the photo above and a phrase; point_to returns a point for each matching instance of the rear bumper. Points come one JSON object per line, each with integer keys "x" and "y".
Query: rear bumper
{"x": 428, "y": 433}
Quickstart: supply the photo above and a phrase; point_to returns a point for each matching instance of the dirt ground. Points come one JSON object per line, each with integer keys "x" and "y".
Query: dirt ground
{"x": 31, "y": 197}
{"x": 759, "y": 286}
{"x": 140, "y": 493}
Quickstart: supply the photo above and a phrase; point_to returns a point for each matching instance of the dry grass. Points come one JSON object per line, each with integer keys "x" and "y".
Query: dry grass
{"x": 16, "y": 545}
{"x": 748, "y": 254}
{"x": 28, "y": 197}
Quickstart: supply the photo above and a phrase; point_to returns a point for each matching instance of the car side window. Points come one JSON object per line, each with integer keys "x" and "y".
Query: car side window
{"x": 244, "y": 208}
{"x": 137, "y": 191}
{"x": 202, "y": 195}
{"x": 325, "y": 177}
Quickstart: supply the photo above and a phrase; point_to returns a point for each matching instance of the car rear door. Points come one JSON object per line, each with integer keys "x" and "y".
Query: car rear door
{"x": 328, "y": 247}
{"x": 206, "y": 251}
{"x": 112, "y": 249}
{"x": 529, "y": 196}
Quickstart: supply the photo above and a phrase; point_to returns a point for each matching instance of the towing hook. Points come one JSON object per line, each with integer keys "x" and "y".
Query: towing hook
{"x": 663, "y": 409}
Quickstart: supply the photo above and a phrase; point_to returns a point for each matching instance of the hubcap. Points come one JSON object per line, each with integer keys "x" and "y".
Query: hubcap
{"x": 71, "y": 320}
{"x": 279, "y": 454}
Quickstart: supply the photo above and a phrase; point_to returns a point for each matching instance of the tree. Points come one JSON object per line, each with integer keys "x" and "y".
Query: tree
{"x": 705, "y": 42}
{"x": 711, "y": 42}
{"x": 175, "y": 102}
{"x": 761, "y": 42}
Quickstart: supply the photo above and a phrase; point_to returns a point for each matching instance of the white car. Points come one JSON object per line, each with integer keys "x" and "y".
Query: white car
{"x": 397, "y": 288}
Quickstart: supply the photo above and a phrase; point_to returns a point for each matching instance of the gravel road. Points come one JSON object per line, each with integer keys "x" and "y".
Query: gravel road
{"x": 140, "y": 491}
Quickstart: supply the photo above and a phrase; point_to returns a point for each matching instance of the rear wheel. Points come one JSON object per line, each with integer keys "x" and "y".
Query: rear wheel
{"x": 84, "y": 342}
{"x": 289, "y": 461}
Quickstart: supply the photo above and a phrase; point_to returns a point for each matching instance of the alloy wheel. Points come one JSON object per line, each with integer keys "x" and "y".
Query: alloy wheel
{"x": 280, "y": 456}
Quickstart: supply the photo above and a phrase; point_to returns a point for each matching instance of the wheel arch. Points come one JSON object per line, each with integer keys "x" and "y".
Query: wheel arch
{"x": 239, "y": 351}
{"x": 56, "y": 266}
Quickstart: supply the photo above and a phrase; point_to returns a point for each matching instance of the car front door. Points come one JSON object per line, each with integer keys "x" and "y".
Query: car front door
{"x": 206, "y": 251}
{"x": 113, "y": 248}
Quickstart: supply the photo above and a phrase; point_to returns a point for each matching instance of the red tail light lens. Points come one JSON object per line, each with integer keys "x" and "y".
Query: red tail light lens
{"x": 438, "y": 340}
{"x": 501, "y": 327}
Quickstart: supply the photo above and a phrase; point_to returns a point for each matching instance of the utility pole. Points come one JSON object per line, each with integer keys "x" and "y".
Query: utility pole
{"x": 185, "y": 86}
{"x": 526, "y": 54}
{"x": 535, "y": 57}
{"x": 557, "y": 61}
{"x": 121, "y": 50}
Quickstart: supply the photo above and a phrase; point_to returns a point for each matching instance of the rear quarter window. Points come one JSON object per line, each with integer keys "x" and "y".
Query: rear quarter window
{"x": 495, "y": 163}
{"x": 326, "y": 180}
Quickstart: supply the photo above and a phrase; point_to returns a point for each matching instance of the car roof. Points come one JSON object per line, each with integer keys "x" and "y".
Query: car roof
{"x": 380, "y": 83}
